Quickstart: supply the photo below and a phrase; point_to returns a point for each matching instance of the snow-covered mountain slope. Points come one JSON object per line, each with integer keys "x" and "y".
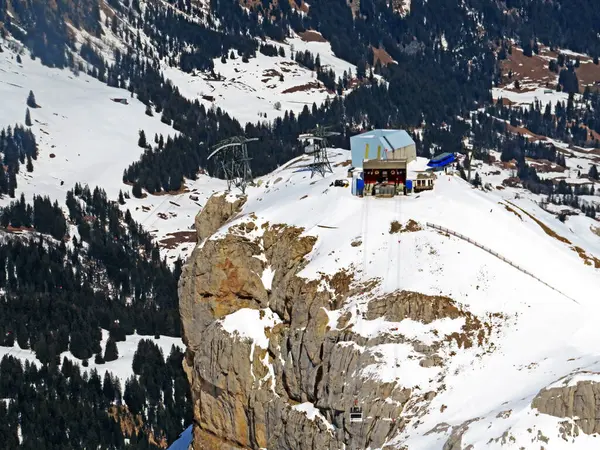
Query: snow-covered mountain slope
{"x": 266, "y": 86}
{"x": 83, "y": 136}
{"x": 482, "y": 393}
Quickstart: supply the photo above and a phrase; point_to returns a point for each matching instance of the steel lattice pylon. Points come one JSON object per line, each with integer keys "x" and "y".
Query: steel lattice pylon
{"x": 233, "y": 161}
{"x": 316, "y": 145}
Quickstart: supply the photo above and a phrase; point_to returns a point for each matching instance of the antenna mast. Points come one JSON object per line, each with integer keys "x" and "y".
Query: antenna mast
{"x": 232, "y": 159}
{"x": 315, "y": 145}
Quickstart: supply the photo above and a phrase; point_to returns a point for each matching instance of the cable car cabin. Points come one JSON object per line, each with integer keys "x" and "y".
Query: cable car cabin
{"x": 356, "y": 414}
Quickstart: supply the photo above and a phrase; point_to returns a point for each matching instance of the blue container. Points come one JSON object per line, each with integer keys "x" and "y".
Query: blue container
{"x": 360, "y": 186}
{"x": 353, "y": 186}
{"x": 409, "y": 185}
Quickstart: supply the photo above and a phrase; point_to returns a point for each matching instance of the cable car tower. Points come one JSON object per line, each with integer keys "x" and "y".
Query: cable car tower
{"x": 315, "y": 145}
{"x": 232, "y": 160}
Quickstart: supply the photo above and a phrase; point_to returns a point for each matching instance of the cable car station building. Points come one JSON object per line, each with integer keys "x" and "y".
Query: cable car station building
{"x": 384, "y": 156}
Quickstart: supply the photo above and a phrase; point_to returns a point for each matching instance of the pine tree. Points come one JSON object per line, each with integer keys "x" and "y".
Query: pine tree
{"x": 99, "y": 359}
{"x": 142, "y": 140}
{"x": 149, "y": 111}
{"x": 121, "y": 199}
{"x": 19, "y": 60}
{"x": 31, "y": 100}
{"x": 28, "y": 118}
{"x": 111, "y": 353}
{"x": 29, "y": 164}
{"x": 137, "y": 190}
{"x": 593, "y": 173}
{"x": 108, "y": 388}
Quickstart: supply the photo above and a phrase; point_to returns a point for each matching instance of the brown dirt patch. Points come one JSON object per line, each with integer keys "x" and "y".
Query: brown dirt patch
{"x": 343, "y": 163}
{"x": 271, "y": 73}
{"x": 521, "y": 131}
{"x": 311, "y": 36}
{"x": 358, "y": 243}
{"x": 508, "y": 208}
{"x": 505, "y": 101}
{"x": 534, "y": 69}
{"x": 526, "y": 69}
{"x": 595, "y": 230}
{"x": 303, "y": 87}
{"x": 544, "y": 166}
{"x": 182, "y": 190}
{"x": 179, "y": 237}
{"x": 384, "y": 58}
{"x": 587, "y": 259}
{"x": 588, "y": 74}
{"x": 410, "y": 227}
{"x": 512, "y": 182}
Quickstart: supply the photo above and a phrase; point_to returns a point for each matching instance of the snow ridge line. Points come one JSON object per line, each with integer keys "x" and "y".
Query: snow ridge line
{"x": 497, "y": 255}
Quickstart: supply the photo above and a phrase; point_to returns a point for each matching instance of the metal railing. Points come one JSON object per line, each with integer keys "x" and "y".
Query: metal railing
{"x": 497, "y": 255}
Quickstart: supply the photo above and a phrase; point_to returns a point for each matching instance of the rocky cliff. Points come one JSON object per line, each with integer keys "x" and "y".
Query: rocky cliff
{"x": 276, "y": 360}
{"x": 294, "y": 390}
{"x": 579, "y": 401}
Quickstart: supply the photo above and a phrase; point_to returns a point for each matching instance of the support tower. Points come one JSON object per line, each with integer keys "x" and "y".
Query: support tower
{"x": 232, "y": 161}
{"x": 315, "y": 145}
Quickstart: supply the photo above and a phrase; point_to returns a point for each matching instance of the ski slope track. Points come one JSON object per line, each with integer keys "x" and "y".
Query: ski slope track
{"x": 542, "y": 335}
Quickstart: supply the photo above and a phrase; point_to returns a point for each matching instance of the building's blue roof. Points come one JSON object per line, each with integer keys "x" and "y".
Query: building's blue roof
{"x": 396, "y": 138}
{"x": 375, "y": 144}
{"x": 389, "y": 139}
{"x": 442, "y": 160}
{"x": 441, "y": 157}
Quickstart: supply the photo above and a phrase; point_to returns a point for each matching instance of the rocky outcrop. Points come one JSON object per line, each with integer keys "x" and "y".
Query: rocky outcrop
{"x": 217, "y": 211}
{"x": 244, "y": 391}
{"x": 580, "y": 402}
{"x": 412, "y": 305}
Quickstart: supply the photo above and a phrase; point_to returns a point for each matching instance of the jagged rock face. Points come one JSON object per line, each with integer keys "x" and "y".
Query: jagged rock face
{"x": 217, "y": 211}
{"x": 244, "y": 394}
{"x": 412, "y": 305}
{"x": 580, "y": 402}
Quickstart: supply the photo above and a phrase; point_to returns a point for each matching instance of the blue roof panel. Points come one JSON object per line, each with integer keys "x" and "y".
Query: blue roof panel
{"x": 397, "y": 138}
